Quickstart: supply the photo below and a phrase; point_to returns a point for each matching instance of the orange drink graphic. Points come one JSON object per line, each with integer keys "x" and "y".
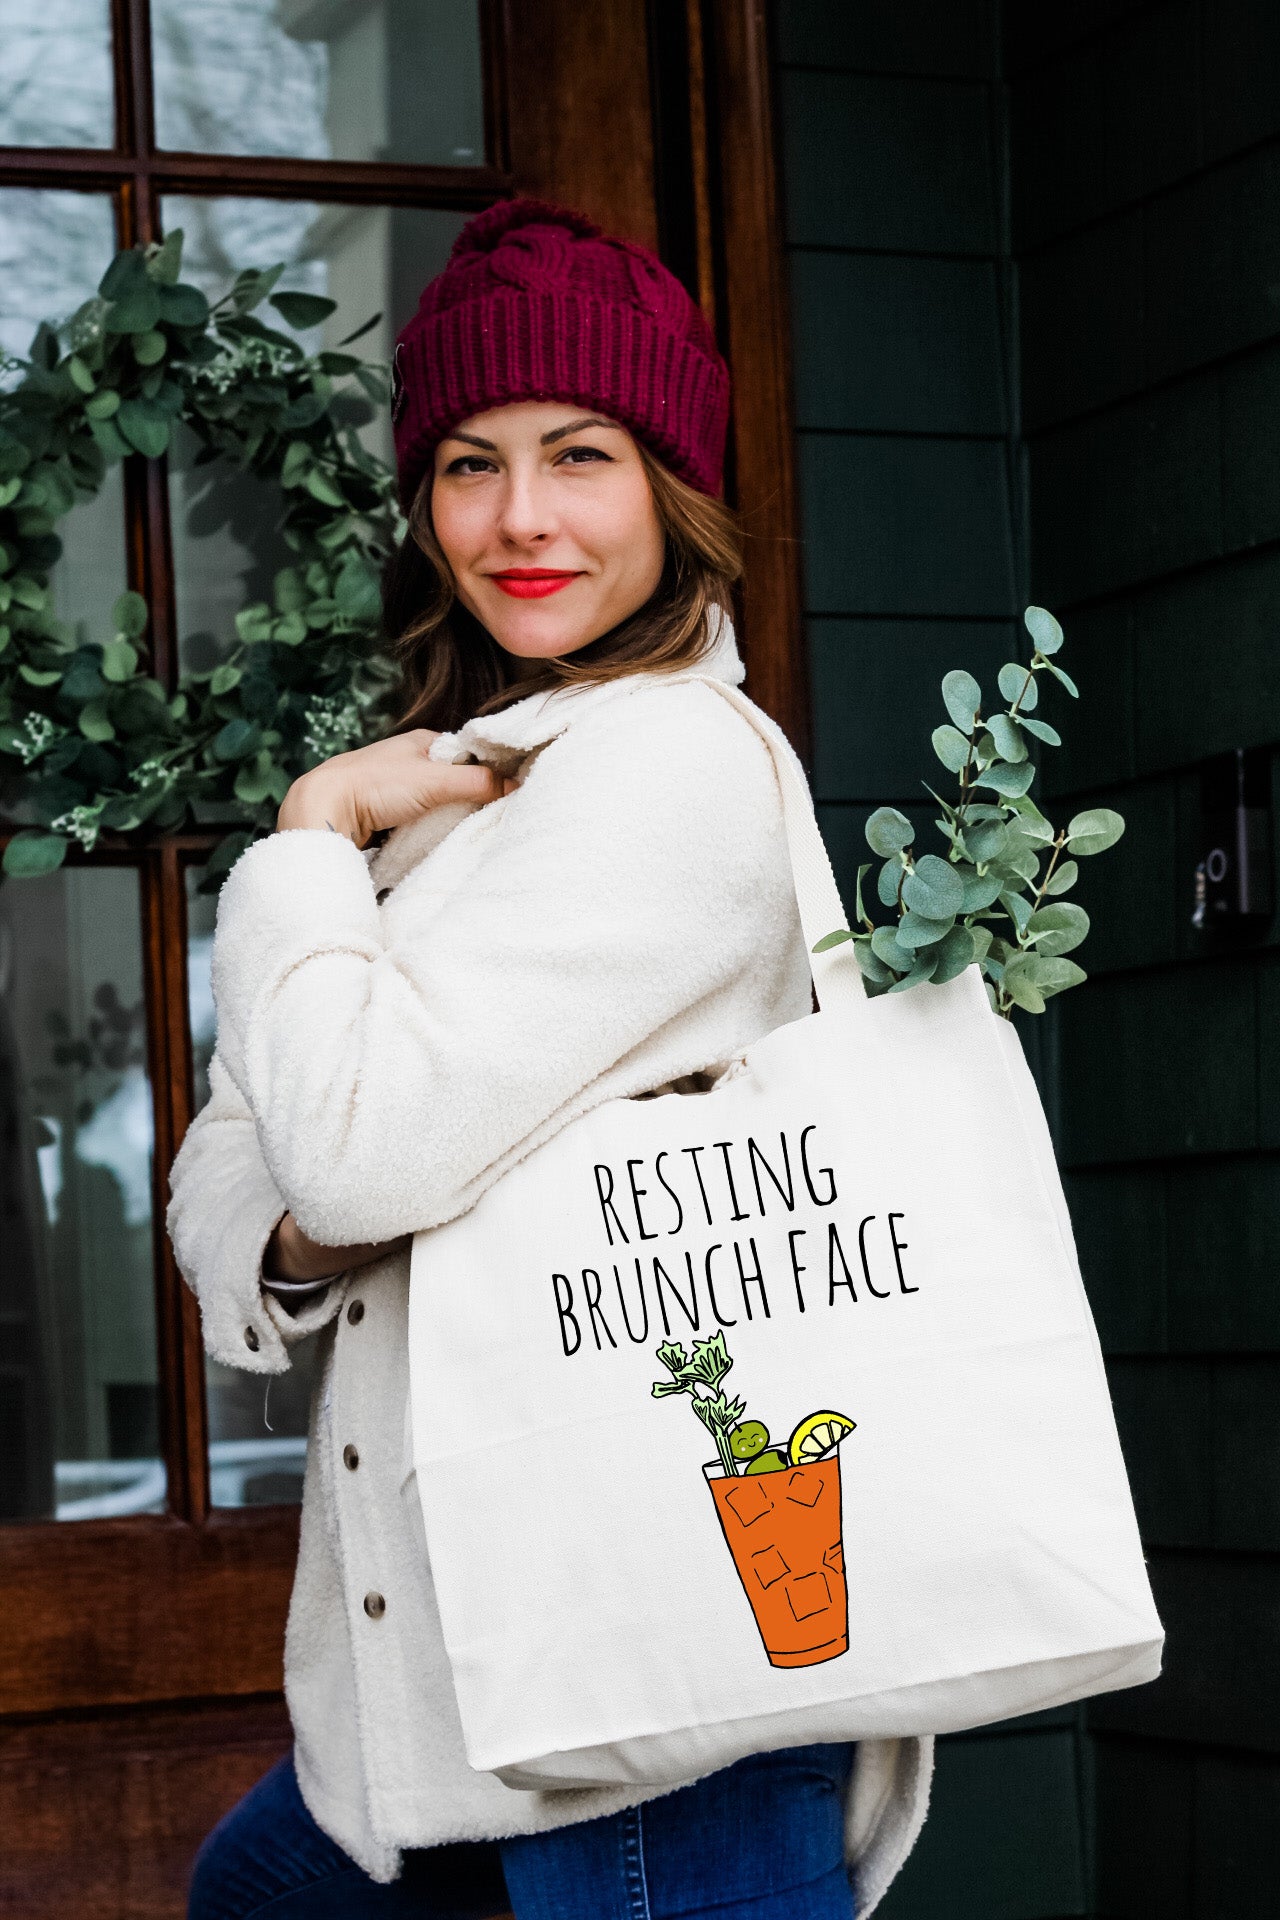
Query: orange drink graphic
{"x": 778, "y": 1505}
{"x": 783, "y": 1530}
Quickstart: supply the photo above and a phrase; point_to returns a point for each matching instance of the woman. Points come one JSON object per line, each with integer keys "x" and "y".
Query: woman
{"x": 584, "y": 895}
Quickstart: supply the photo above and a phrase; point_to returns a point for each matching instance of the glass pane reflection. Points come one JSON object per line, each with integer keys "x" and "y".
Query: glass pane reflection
{"x": 55, "y": 73}
{"x": 79, "y": 1392}
{"x": 226, "y": 542}
{"x": 257, "y": 1433}
{"x": 395, "y": 80}
{"x": 55, "y": 247}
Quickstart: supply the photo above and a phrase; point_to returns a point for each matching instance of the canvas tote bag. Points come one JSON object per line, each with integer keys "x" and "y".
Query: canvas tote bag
{"x": 928, "y": 1524}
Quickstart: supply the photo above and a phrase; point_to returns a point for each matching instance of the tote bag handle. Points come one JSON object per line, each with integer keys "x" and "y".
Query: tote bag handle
{"x": 837, "y": 978}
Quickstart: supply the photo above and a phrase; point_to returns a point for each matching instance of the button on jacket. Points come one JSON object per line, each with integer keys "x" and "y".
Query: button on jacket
{"x": 398, "y": 1026}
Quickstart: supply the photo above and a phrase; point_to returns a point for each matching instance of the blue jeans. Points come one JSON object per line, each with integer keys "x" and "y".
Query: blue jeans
{"x": 761, "y": 1840}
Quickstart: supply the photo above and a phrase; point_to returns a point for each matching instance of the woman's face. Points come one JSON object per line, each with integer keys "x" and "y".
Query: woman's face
{"x": 544, "y": 513}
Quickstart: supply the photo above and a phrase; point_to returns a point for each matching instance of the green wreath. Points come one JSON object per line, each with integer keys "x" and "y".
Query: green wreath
{"x": 94, "y": 739}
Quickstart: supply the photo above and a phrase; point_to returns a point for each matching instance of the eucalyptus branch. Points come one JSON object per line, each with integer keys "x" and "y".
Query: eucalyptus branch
{"x": 985, "y": 901}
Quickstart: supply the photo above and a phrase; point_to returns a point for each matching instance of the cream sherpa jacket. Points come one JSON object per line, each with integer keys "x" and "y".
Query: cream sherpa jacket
{"x": 396, "y": 1027}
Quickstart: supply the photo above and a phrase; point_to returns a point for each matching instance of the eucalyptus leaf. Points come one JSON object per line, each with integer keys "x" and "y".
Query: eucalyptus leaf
{"x": 303, "y": 310}
{"x": 119, "y": 660}
{"x": 1018, "y": 684}
{"x": 236, "y": 739}
{"x": 987, "y": 841}
{"x": 254, "y": 623}
{"x": 888, "y": 880}
{"x": 951, "y": 747}
{"x": 356, "y": 590}
{"x": 1020, "y": 986}
{"x": 1018, "y": 908}
{"x": 1057, "y": 976}
{"x": 149, "y": 348}
{"x": 924, "y": 969}
{"x": 888, "y": 831}
{"x": 127, "y": 274}
{"x": 859, "y": 909}
{"x": 366, "y": 326}
{"x": 135, "y": 312}
{"x": 981, "y": 938}
{"x": 1042, "y": 730}
{"x": 1065, "y": 678}
{"x": 31, "y": 853}
{"x": 962, "y": 697}
{"x": 872, "y": 968}
{"x": 1043, "y": 628}
{"x": 1030, "y": 823}
{"x": 915, "y": 931}
{"x": 298, "y": 462}
{"x": 95, "y": 722}
{"x": 253, "y": 781}
{"x": 1011, "y": 781}
{"x": 955, "y": 953}
{"x": 164, "y": 262}
{"x": 145, "y": 426}
{"x": 109, "y": 439}
{"x": 829, "y": 940}
{"x": 1094, "y": 831}
{"x": 129, "y": 615}
{"x": 982, "y": 891}
{"x": 321, "y": 488}
{"x": 1010, "y": 744}
{"x": 289, "y": 592}
{"x": 1022, "y": 862}
{"x": 1063, "y": 878}
{"x": 934, "y": 890}
{"x": 183, "y": 306}
{"x": 1058, "y": 928}
{"x": 886, "y": 949}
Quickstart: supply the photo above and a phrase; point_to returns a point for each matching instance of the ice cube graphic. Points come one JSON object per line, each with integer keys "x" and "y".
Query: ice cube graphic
{"x": 806, "y": 1489}
{"x": 808, "y": 1594}
{"x": 748, "y": 1501}
{"x": 768, "y": 1566}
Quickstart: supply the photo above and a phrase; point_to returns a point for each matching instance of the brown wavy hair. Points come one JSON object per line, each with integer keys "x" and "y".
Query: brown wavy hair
{"x": 452, "y": 668}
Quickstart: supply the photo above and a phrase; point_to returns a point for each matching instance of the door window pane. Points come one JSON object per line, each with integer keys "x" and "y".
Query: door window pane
{"x": 55, "y": 247}
{"x": 226, "y": 542}
{"x": 392, "y": 80}
{"x": 79, "y": 1395}
{"x": 257, "y": 1431}
{"x": 55, "y": 73}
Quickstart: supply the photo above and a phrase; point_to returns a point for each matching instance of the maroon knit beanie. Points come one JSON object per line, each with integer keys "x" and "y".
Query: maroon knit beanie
{"x": 537, "y": 303}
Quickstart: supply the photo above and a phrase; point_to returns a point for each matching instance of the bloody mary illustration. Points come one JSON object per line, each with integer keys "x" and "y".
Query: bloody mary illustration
{"x": 778, "y": 1507}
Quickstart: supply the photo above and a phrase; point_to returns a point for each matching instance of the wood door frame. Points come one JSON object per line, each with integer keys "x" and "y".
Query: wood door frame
{"x": 176, "y": 1612}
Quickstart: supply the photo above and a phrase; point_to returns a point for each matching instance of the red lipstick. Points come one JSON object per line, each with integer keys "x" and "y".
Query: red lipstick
{"x": 532, "y": 583}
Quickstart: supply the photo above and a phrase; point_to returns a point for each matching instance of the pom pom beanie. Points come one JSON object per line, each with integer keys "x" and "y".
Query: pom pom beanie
{"x": 538, "y": 303}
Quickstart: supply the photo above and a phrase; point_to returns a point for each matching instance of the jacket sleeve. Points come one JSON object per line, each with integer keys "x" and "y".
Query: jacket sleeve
{"x": 223, "y": 1205}
{"x": 390, "y": 1061}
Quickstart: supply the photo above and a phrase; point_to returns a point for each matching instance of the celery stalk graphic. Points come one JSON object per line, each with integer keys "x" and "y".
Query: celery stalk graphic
{"x": 706, "y": 1369}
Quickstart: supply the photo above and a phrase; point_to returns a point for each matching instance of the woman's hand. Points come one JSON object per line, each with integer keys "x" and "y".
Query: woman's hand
{"x": 386, "y": 784}
{"x": 290, "y": 1255}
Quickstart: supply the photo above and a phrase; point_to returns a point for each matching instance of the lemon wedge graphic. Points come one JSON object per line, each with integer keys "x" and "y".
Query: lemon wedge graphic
{"x": 817, "y": 1435}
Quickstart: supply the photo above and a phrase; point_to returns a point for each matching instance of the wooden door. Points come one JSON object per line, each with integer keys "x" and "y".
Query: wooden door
{"x": 141, "y": 1629}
